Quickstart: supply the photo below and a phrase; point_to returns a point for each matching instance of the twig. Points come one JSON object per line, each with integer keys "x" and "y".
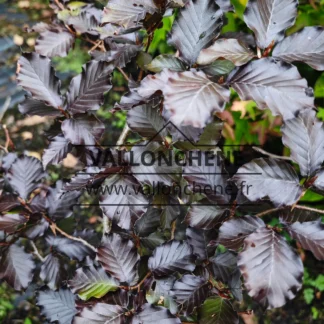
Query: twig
{"x": 320, "y": 211}
{"x": 95, "y": 46}
{"x": 36, "y": 252}
{"x": 8, "y": 139}
{"x": 257, "y": 149}
{"x": 138, "y": 285}
{"x": 123, "y": 135}
{"x": 272, "y": 210}
{"x": 59, "y": 4}
{"x": 313, "y": 4}
{"x": 173, "y": 229}
{"x": 123, "y": 73}
{"x": 269, "y": 211}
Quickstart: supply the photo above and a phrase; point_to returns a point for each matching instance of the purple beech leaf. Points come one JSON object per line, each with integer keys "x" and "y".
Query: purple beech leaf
{"x": 8, "y": 202}
{"x": 36, "y": 75}
{"x": 235, "y": 285}
{"x": 57, "y": 150}
{"x": 206, "y": 21}
{"x": 304, "y": 136}
{"x": 73, "y": 249}
{"x": 272, "y": 84}
{"x": 233, "y": 232}
{"x": 37, "y": 230}
{"x": 205, "y": 216}
{"x": 51, "y": 271}
{"x": 218, "y": 68}
{"x": 54, "y": 41}
{"x": 147, "y": 121}
{"x": 85, "y": 22}
{"x": 166, "y": 61}
{"x": 25, "y": 174}
{"x": 171, "y": 257}
{"x": 225, "y": 5}
{"x": 83, "y": 129}
{"x": 185, "y": 93}
{"x": 38, "y": 28}
{"x": 272, "y": 271}
{"x": 288, "y": 216}
{"x": 217, "y": 310}
{"x": 119, "y": 257}
{"x": 120, "y": 54}
{"x": 57, "y": 305}
{"x": 102, "y": 313}
{"x": 269, "y": 19}
{"x": 16, "y": 267}
{"x": 247, "y": 40}
{"x": 190, "y": 292}
{"x": 319, "y": 182}
{"x": 206, "y": 174}
{"x": 154, "y": 164}
{"x": 86, "y": 91}
{"x": 91, "y": 282}
{"x": 305, "y": 46}
{"x": 122, "y": 200}
{"x": 310, "y": 235}
{"x": 150, "y": 314}
{"x": 228, "y": 49}
{"x": 10, "y": 222}
{"x": 271, "y": 178}
{"x": 148, "y": 223}
{"x": 8, "y": 160}
{"x": 223, "y": 265}
{"x": 33, "y": 107}
{"x": 128, "y": 13}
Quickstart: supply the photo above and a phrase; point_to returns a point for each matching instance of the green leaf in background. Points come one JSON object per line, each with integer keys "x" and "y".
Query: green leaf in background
{"x": 308, "y": 295}
{"x": 166, "y": 61}
{"x": 319, "y": 87}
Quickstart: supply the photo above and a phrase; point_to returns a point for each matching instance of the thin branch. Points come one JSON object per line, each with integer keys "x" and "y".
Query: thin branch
{"x": 273, "y": 210}
{"x": 36, "y": 252}
{"x": 269, "y": 211}
{"x": 8, "y": 139}
{"x": 59, "y": 4}
{"x": 123, "y": 135}
{"x": 138, "y": 285}
{"x": 320, "y": 211}
{"x": 123, "y": 73}
{"x": 257, "y": 149}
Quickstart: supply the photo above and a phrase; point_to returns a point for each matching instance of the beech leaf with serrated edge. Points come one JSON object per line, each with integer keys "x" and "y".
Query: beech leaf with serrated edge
{"x": 228, "y": 49}
{"x": 91, "y": 282}
{"x": 269, "y": 19}
{"x": 310, "y": 235}
{"x": 288, "y": 216}
{"x": 272, "y": 271}
{"x": 190, "y": 292}
{"x": 272, "y": 84}
{"x": 171, "y": 257}
{"x": 233, "y": 232}
{"x": 51, "y": 271}
{"x": 16, "y": 267}
{"x": 206, "y": 21}
{"x": 119, "y": 257}
{"x": 86, "y": 90}
{"x": 217, "y": 310}
{"x": 166, "y": 61}
{"x": 33, "y": 107}
{"x": 36, "y": 75}
{"x": 223, "y": 265}
{"x": 10, "y": 222}
{"x": 25, "y": 174}
{"x": 271, "y": 178}
{"x": 305, "y": 46}
{"x": 57, "y": 305}
{"x": 148, "y": 223}
{"x": 8, "y": 202}
{"x": 304, "y": 136}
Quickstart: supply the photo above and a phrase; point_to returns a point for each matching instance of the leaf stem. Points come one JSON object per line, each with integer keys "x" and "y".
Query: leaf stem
{"x": 272, "y": 210}
{"x": 138, "y": 285}
{"x": 274, "y": 156}
{"x": 36, "y": 252}
{"x": 123, "y": 135}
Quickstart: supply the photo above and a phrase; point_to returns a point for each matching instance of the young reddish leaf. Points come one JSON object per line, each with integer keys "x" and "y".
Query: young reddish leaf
{"x": 269, "y": 19}
{"x": 150, "y": 314}
{"x": 36, "y": 75}
{"x": 91, "y": 282}
{"x": 57, "y": 305}
{"x": 171, "y": 257}
{"x": 33, "y": 107}
{"x": 57, "y": 150}
{"x": 228, "y": 49}
{"x": 206, "y": 21}
{"x": 233, "y": 232}
{"x": 83, "y": 129}
{"x": 16, "y": 267}
{"x": 217, "y": 310}
{"x": 205, "y": 216}
{"x": 128, "y": 13}
{"x": 304, "y": 136}
{"x": 86, "y": 91}
{"x": 190, "y": 292}
{"x": 51, "y": 271}
{"x": 8, "y": 202}
{"x": 305, "y": 46}
{"x": 119, "y": 54}
{"x": 310, "y": 235}
{"x": 24, "y": 175}
{"x": 271, "y": 178}
{"x": 10, "y": 222}
{"x": 102, "y": 313}
{"x": 54, "y": 41}
{"x": 119, "y": 257}
{"x": 272, "y": 271}
{"x": 273, "y": 84}
{"x": 122, "y": 200}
